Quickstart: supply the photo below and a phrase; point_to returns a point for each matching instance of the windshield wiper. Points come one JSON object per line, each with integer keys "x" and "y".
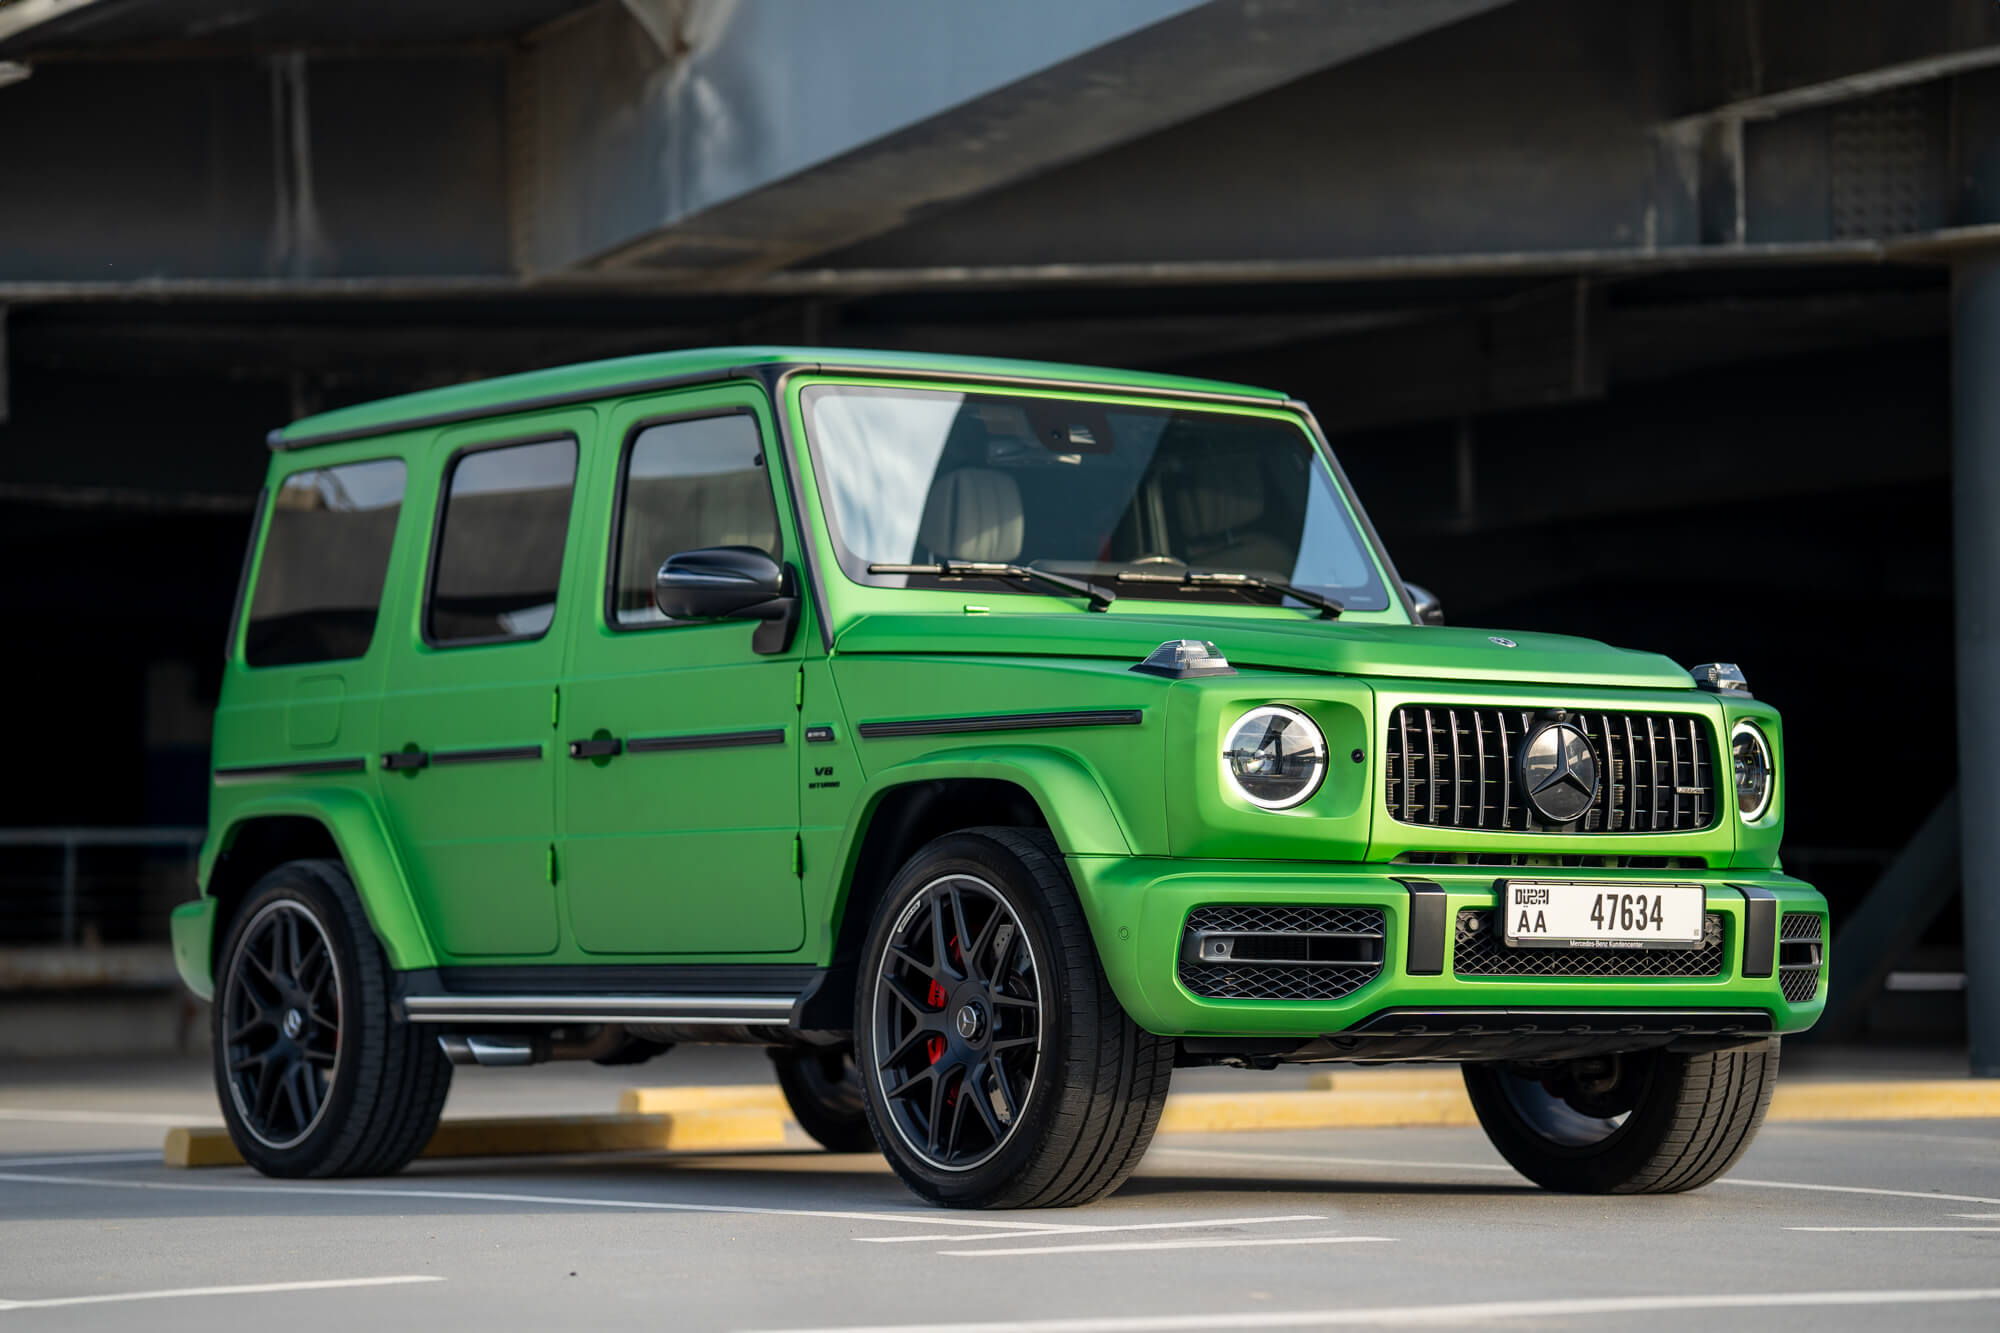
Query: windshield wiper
{"x": 1100, "y": 598}
{"x": 1328, "y": 607}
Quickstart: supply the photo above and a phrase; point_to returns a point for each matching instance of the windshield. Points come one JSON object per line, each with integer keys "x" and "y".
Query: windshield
{"x": 916, "y": 476}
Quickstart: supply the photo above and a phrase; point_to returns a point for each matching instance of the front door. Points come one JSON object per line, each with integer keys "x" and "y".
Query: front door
{"x": 680, "y": 803}
{"x": 467, "y": 725}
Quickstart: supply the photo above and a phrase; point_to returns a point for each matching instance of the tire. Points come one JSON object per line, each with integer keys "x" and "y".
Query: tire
{"x": 316, "y": 1074}
{"x": 823, "y": 1089}
{"x": 1665, "y": 1123}
{"x": 1070, "y": 1088}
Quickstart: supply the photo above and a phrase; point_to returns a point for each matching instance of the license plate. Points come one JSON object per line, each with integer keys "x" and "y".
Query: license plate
{"x": 1563, "y": 915}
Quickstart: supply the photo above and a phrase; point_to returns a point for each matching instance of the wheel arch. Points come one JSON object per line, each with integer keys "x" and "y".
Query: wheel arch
{"x": 910, "y": 804}
{"x": 332, "y": 823}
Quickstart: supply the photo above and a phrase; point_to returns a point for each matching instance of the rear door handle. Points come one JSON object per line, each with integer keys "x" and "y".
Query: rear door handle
{"x": 401, "y": 761}
{"x": 596, "y": 748}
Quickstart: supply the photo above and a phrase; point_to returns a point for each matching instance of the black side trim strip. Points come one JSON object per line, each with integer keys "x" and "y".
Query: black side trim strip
{"x": 303, "y": 769}
{"x": 1760, "y": 929}
{"x": 946, "y": 726}
{"x": 499, "y": 754}
{"x": 720, "y": 740}
{"x": 1425, "y": 955}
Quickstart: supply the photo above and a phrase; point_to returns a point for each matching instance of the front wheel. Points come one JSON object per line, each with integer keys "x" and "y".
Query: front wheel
{"x": 1653, "y": 1122}
{"x": 999, "y": 1069}
{"x": 316, "y": 1075}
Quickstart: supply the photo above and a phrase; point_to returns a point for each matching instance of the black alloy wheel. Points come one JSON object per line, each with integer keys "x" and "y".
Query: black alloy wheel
{"x": 316, "y": 1072}
{"x": 281, "y": 1019}
{"x": 958, "y": 1023}
{"x": 998, "y": 1068}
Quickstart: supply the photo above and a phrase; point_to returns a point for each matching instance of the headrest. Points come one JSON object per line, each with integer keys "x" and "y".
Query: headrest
{"x": 1216, "y": 494}
{"x": 973, "y": 514}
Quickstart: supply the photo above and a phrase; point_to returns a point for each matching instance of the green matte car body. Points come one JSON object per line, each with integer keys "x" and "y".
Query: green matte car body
{"x": 987, "y": 739}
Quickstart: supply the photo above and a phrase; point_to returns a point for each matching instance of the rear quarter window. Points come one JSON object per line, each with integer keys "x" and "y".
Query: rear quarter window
{"x": 326, "y": 553}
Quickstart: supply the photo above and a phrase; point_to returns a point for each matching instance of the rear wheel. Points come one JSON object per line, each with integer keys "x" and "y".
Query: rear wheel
{"x": 316, "y": 1075}
{"x": 998, "y": 1067}
{"x": 823, "y": 1088}
{"x": 1653, "y": 1122}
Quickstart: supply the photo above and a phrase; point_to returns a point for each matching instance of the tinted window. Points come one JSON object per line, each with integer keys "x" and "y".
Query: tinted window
{"x": 689, "y": 484}
{"x": 326, "y": 552}
{"x": 500, "y": 543}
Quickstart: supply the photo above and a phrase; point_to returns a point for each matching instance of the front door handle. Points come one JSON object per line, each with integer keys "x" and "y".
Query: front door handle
{"x": 597, "y": 747}
{"x": 402, "y": 761}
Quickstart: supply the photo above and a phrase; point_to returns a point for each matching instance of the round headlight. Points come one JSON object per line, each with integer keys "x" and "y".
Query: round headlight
{"x": 1752, "y": 755}
{"x": 1274, "y": 757}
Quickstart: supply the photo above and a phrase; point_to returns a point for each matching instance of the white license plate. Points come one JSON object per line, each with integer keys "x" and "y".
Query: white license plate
{"x": 1561, "y": 915}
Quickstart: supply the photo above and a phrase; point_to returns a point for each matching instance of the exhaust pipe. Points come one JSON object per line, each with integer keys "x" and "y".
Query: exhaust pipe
{"x": 491, "y": 1051}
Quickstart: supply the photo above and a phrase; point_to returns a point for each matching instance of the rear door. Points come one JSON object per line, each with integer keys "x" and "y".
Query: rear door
{"x": 680, "y": 807}
{"x": 467, "y": 725}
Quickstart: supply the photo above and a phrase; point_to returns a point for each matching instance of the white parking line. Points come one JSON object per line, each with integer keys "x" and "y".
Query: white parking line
{"x": 1087, "y": 1229}
{"x": 55, "y": 1115}
{"x": 1978, "y": 1217}
{"x": 1213, "y": 1243}
{"x": 80, "y": 1159}
{"x": 1490, "y": 1166}
{"x": 252, "y": 1289}
{"x": 1987, "y": 1230}
{"x": 912, "y": 1217}
{"x": 1447, "y": 1315}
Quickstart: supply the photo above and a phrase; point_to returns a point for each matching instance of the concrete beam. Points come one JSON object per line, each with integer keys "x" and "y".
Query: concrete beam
{"x": 766, "y": 133}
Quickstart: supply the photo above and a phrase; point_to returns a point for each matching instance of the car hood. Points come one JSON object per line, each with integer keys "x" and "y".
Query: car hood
{"x": 1405, "y": 651}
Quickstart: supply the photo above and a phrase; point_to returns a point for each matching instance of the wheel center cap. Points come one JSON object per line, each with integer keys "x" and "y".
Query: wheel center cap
{"x": 295, "y": 1023}
{"x": 971, "y": 1020}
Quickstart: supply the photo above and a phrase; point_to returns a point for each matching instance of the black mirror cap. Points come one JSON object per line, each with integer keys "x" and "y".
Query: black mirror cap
{"x": 1425, "y": 604}
{"x": 720, "y": 583}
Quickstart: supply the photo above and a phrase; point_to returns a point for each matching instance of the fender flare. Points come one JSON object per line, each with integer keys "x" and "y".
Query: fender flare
{"x": 355, "y": 824}
{"x": 1072, "y": 800}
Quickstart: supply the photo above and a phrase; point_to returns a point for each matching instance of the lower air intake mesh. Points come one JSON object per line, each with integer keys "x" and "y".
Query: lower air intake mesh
{"x": 1246, "y": 979}
{"x": 1801, "y": 955}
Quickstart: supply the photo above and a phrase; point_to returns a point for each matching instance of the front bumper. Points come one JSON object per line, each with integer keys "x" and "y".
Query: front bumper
{"x": 1138, "y": 906}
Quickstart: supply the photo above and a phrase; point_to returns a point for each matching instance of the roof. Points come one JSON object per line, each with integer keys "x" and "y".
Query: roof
{"x": 592, "y": 379}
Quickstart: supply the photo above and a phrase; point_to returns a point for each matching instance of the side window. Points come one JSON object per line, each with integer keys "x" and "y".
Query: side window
{"x": 500, "y": 544}
{"x": 688, "y": 484}
{"x": 326, "y": 553}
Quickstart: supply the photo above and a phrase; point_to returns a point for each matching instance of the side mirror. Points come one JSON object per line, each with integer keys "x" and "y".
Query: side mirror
{"x": 1425, "y": 604}
{"x": 730, "y": 583}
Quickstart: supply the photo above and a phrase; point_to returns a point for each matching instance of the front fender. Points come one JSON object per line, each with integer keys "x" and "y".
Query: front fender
{"x": 357, "y": 828}
{"x": 1070, "y": 796}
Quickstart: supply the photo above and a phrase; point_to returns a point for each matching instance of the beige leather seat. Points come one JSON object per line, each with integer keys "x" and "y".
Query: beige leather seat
{"x": 973, "y": 513}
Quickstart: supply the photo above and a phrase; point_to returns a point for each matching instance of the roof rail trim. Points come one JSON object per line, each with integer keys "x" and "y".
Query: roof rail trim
{"x": 506, "y": 407}
{"x": 279, "y": 444}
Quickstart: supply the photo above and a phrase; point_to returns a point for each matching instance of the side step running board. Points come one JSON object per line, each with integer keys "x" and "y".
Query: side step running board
{"x": 705, "y": 1010}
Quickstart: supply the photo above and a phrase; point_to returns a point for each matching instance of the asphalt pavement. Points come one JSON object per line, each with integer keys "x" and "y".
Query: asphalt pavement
{"x": 1836, "y": 1226}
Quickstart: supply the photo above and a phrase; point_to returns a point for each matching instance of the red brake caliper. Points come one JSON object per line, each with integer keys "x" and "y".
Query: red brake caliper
{"x": 935, "y": 998}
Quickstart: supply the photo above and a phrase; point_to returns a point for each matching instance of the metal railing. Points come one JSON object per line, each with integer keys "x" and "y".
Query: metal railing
{"x": 72, "y": 894}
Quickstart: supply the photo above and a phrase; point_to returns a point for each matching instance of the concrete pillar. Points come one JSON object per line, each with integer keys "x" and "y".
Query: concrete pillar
{"x": 1975, "y": 501}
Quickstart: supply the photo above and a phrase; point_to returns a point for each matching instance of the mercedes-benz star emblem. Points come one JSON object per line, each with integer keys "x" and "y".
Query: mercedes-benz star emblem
{"x": 1559, "y": 772}
{"x": 1504, "y": 643}
{"x": 970, "y": 1022}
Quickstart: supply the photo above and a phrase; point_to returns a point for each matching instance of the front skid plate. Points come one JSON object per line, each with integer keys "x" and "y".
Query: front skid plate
{"x": 1514, "y": 1034}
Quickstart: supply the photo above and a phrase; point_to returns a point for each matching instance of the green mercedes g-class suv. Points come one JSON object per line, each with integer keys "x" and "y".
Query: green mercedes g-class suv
{"x": 988, "y": 739}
